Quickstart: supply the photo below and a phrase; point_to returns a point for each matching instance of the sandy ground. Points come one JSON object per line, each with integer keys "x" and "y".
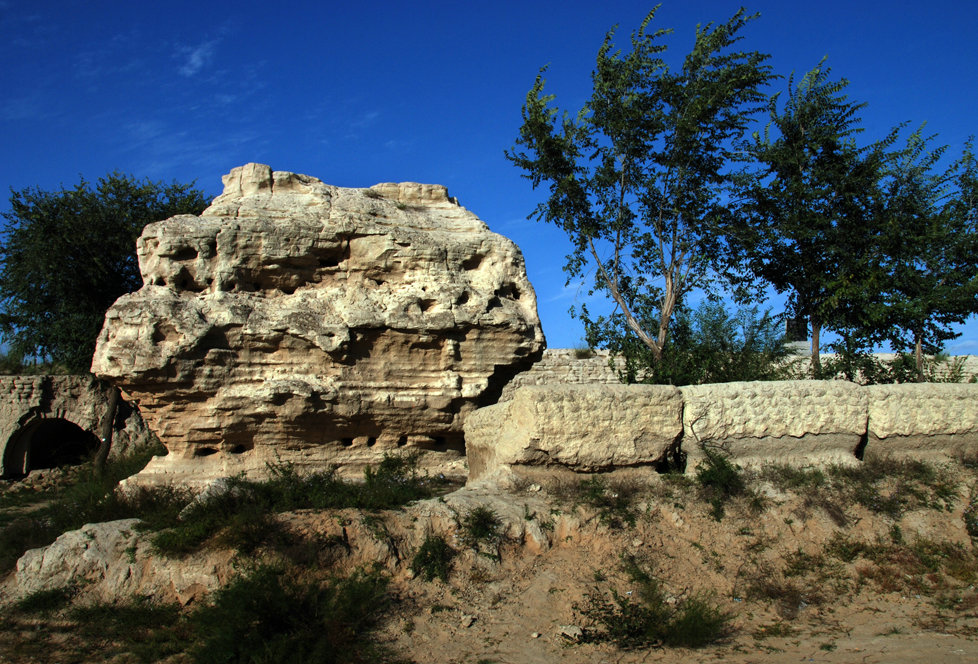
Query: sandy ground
{"x": 822, "y": 610}
{"x": 904, "y": 593}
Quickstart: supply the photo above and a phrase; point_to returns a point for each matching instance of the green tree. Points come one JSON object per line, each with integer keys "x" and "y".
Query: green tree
{"x": 709, "y": 344}
{"x": 636, "y": 178}
{"x": 66, "y": 256}
{"x": 809, "y": 217}
{"x": 932, "y": 246}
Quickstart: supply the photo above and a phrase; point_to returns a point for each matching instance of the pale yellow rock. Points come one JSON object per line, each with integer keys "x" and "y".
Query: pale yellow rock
{"x": 298, "y": 322}
{"x": 581, "y": 427}
{"x": 115, "y": 561}
{"x": 799, "y": 422}
{"x": 923, "y": 420}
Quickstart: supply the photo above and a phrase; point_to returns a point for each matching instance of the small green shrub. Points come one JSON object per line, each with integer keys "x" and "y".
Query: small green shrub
{"x": 613, "y": 502}
{"x": 433, "y": 559}
{"x": 719, "y": 481}
{"x": 971, "y": 514}
{"x": 649, "y": 618}
{"x": 479, "y": 529}
{"x": 270, "y": 616}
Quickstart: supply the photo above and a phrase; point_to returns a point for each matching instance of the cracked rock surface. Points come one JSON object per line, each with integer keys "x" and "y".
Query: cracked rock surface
{"x": 297, "y": 322}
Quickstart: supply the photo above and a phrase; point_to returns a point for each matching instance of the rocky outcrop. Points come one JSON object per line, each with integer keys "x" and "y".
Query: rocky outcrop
{"x": 797, "y": 422}
{"x": 298, "y": 322}
{"x": 115, "y": 561}
{"x": 921, "y": 420}
{"x": 579, "y": 427}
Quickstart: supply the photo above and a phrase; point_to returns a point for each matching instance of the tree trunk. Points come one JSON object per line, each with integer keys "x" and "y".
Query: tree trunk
{"x": 918, "y": 356}
{"x": 105, "y": 435}
{"x": 816, "y": 360}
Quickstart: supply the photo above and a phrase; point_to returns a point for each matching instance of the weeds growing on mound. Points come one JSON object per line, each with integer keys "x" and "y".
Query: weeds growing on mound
{"x": 479, "y": 529}
{"x": 89, "y": 500}
{"x": 242, "y": 514}
{"x": 270, "y": 616}
{"x": 433, "y": 559}
{"x": 648, "y": 617}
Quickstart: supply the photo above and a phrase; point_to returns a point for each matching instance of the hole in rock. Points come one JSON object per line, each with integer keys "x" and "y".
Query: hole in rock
{"x": 402, "y": 441}
{"x": 47, "y": 443}
{"x": 371, "y": 441}
{"x": 508, "y": 291}
{"x": 184, "y": 254}
{"x": 427, "y": 305}
{"x": 240, "y": 449}
{"x": 494, "y": 303}
{"x": 463, "y": 298}
{"x": 347, "y": 442}
{"x": 472, "y": 262}
{"x": 204, "y": 451}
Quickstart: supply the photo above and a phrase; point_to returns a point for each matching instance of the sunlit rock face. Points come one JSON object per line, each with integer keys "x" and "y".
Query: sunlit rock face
{"x": 297, "y": 322}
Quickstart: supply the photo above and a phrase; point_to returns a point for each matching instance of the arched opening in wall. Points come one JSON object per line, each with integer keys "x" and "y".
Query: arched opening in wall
{"x": 47, "y": 443}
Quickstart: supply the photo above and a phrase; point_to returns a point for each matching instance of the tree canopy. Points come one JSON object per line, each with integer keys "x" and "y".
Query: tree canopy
{"x": 637, "y": 177}
{"x": 66, "y": 256}
{"x": 808, "y": 225}
{"x": 932, "y": 246}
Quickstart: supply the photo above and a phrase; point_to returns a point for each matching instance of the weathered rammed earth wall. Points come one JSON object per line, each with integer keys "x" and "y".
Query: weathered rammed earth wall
{"x": 590, "y": 428}
{"x": 26, "y": 402}
{"x": 564, "y": 366}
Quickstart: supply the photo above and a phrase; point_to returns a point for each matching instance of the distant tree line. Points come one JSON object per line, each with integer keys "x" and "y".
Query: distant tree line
{"x": 663, "y": 189}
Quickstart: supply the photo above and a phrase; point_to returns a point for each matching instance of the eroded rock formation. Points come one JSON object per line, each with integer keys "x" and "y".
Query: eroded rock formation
{"x": 299, "y": 322}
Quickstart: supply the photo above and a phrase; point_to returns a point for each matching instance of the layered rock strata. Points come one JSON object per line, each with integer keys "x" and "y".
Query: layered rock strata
{"x": 796, "y": 422}
{"x": 584, "y": 428}
{"x": 294, "y": 321}
{"x": 921, "y": 420}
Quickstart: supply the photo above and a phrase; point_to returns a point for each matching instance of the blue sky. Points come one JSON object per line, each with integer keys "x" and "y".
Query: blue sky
{"x": 360, "y": 93}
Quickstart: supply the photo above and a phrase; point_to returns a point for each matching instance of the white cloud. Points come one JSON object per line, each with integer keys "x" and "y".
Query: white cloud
{"x": 196, "y": 57}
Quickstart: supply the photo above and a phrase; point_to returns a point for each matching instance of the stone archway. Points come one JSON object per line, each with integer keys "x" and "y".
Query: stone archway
{"x": 47, "y": 443}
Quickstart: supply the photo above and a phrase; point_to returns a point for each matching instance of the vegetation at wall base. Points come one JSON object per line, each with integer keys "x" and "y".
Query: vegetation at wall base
{"x": 612, "y": 500}
{"x": 719, "y": 480}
